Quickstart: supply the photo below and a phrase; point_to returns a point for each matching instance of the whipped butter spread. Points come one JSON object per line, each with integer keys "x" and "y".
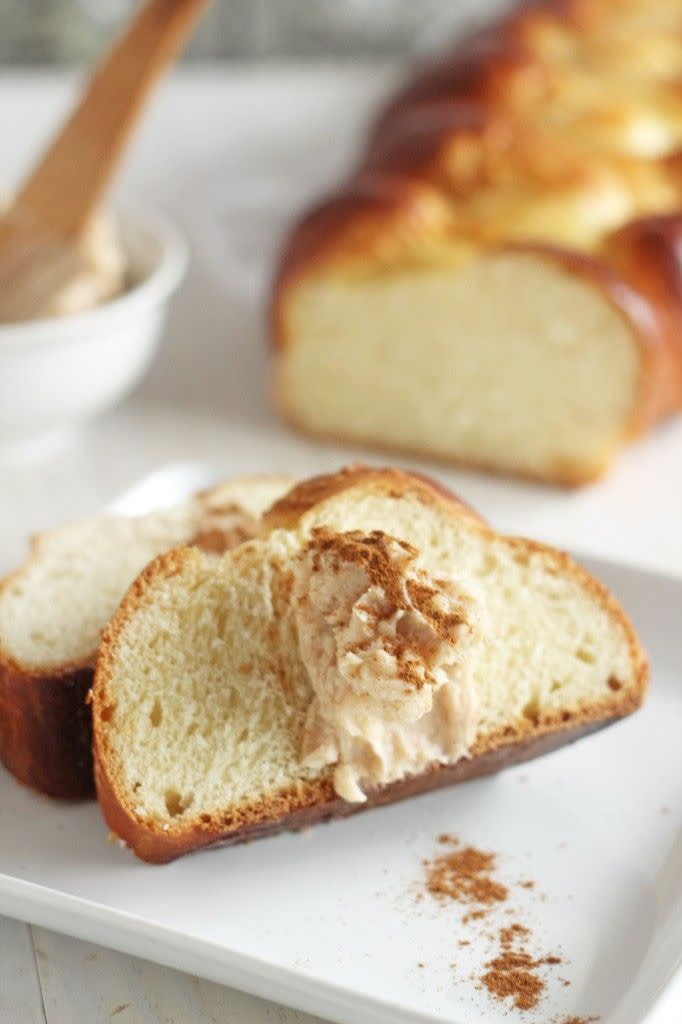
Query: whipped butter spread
{"x": 99, "y": 272}
{"x": 389, "y": 652}
{"x": 95, "y": 271}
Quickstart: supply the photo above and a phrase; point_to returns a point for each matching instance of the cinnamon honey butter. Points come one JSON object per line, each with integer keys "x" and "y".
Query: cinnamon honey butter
{"x": 389, "y": 649}
{"x": 97, "y": 271}
{"x": 100, "y": 271}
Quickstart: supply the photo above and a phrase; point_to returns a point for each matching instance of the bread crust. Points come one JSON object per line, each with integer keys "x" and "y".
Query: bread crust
{"x": 287, "y": 511}
{"x": 314, "y": 801}
{"x": 295, "y": 809}
{"x": 483, "y": 90}
{"x": 497, "y": 65}
{"x": 45, "y": 728}
{"x": 509, "y": 64}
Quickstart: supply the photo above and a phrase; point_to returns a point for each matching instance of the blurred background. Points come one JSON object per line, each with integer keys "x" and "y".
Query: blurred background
{"x": 64, "y": 31}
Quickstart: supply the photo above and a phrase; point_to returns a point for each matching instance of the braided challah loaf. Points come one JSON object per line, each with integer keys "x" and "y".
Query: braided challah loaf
{"x": 499, "y": 283}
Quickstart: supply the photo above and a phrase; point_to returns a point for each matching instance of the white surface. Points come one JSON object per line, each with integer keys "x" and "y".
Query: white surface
{"x": 298, "y": 917}
{"x": 20, "y": 1000}
{"x": 55, "y": 373}
{"x": 80, "y": 982}
{"x": 70, "y": 981}
{"x": 229, "y": 155}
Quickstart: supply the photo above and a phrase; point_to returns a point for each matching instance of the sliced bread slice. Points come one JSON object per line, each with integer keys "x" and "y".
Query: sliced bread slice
{"x": 53, "y": 608}
{"x": 215, "y": 675}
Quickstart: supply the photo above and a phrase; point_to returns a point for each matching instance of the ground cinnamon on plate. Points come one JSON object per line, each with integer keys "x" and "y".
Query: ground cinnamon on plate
{"x": 511, "y": 933}
{"x": 465, "y": 875}
{"x": 509, "y": 977}
{"x": 474, "y": 915}
{"x": 514, "y": 974}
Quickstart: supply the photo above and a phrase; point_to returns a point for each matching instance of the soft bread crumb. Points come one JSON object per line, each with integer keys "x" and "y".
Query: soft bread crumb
{"x": 510, "y": 362}
{"x": 53, "y": 609}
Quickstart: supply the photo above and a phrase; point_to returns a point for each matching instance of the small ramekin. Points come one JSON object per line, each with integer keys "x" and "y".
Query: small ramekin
{"x": 57, "y": 373}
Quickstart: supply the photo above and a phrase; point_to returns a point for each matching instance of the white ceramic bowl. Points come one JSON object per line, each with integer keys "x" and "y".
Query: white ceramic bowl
{"x": 56, "y": 373}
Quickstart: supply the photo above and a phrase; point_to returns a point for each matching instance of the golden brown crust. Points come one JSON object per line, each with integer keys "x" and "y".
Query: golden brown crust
{"x": 311, "y": 802}
{"x": 646, "y": 255}
{"x": 288, "y": 510}
{"x": 494, "y": 67}
{"x": 511, "y": 64}
{"x": 45, "y": 731}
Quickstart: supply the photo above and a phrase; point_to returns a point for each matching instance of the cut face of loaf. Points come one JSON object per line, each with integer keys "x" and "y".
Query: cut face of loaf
{"x": 499, "y": 282}
{"x": 510, "y": 363}
{"x": 203, "y": 691}
{"x": 53, "y": 609}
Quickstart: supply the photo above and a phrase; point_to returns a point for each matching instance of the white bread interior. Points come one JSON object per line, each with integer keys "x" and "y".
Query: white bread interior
{"x": 52, "y": 610}
{"x": 509, "y": 361}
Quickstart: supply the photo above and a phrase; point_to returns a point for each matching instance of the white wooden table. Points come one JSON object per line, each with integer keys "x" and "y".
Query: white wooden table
{"x": 223, "y": 153}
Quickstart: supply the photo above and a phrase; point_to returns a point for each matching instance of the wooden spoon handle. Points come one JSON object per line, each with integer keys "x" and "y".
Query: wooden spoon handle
{"x": 70, "y": 180}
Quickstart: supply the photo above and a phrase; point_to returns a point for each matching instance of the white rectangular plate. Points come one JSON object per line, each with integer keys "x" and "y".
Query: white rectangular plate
{"x": 327, "y": 920}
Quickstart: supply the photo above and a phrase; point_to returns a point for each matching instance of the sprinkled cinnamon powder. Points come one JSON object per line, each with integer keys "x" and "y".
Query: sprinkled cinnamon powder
{"x": 465, "y": 875}
{"x": 511, "y": 933}
{"x": 507, "y": 978}
{"x": 474, "y": 915}
{"x": 514, "y": 975}
{"x": 578, "y": 1020}
{"x": 510, "y": 961}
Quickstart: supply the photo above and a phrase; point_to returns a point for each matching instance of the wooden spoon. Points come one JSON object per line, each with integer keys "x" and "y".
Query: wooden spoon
{"x": 40, "y": 234}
